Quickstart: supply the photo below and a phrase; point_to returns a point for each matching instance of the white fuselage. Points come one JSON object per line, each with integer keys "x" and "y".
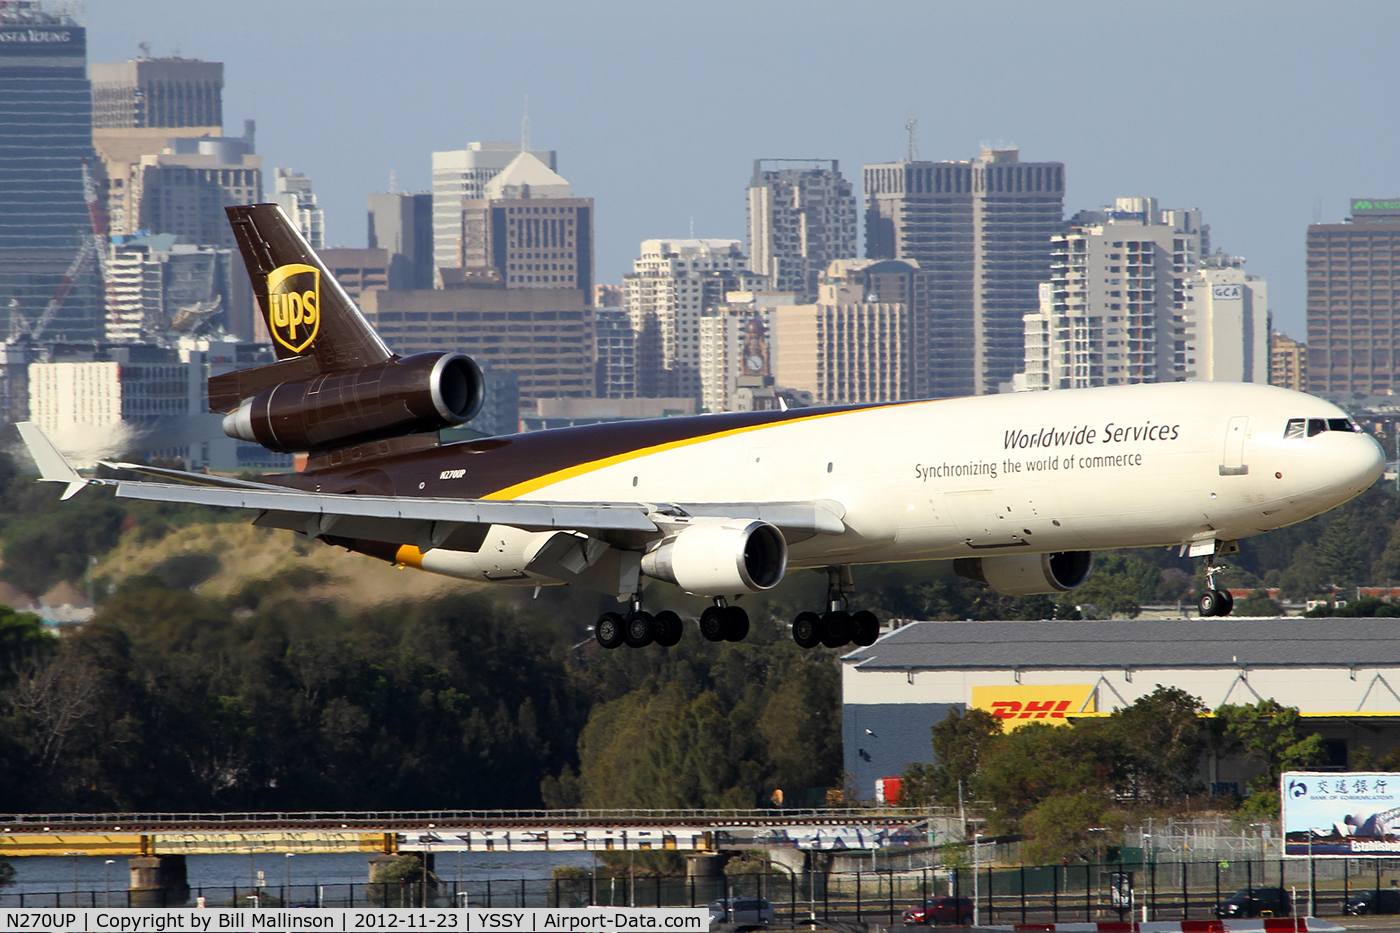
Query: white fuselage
{"x": 1033, "y": 472}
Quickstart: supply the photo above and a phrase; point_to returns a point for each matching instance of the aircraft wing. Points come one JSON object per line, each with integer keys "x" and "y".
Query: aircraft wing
{"x": 428, "y": 522}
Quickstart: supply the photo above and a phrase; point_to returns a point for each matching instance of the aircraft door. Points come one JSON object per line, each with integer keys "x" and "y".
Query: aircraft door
{"x": 1233, "y": 463}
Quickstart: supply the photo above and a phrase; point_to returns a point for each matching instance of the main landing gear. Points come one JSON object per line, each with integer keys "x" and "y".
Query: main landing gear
{"x": 836, "y": 627}
{"x": 1215, "y": 601}
{"x": 638, "y": 628}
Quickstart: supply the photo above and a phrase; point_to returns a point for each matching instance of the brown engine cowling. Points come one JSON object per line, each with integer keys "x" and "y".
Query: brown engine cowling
{"x": 424, "y": 392}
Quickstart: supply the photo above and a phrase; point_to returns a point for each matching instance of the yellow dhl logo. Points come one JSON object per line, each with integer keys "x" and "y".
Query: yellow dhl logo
{"x": 294, "y": 305}
{"x": 1017, "y": 705}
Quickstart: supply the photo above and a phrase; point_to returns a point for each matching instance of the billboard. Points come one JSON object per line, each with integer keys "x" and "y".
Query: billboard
{"x": 1340, "y": 814}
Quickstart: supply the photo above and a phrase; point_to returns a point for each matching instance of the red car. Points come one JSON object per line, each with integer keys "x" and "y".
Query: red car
{"x": 936, "y": 910}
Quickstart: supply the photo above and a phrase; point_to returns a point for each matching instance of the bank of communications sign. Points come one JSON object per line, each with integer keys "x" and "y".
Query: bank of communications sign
{"x": 1017, "y": 705}
{"x": 1341, "y": 813}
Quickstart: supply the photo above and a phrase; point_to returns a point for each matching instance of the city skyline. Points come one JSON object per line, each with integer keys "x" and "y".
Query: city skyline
{"x": 1257, "y": 137}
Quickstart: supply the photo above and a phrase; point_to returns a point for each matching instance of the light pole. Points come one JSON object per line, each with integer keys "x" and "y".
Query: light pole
{"x": 976, "y": 870}
{"x": 1147, "y": 866}
{"x": 287, "y": 860}
{"x": 108, "y": 897}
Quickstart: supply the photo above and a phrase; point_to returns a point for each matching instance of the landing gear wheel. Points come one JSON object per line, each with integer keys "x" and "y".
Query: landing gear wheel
{"x": 867, "y": 627}
{"x": 807, "y": 630}
{"x": 609, "y": 630}
{"x": 640, "y": 630}
{"x": 1229, "y": 603}
{"x": 837, "y": 629}
{"x": 1215, "y": 603}
{"x": 736, "y": 623}
{"x": 669, "y": 628}
{"x": 712, "y": 623}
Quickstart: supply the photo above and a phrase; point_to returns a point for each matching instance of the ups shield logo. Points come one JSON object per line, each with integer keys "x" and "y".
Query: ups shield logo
{"x": 294, "y": 305}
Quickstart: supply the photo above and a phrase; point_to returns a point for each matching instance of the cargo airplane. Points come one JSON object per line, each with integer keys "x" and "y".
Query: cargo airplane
{"x": 1018, "y": 490}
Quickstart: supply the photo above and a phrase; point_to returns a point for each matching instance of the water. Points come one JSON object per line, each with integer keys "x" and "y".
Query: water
{"x": 44, "y": 874}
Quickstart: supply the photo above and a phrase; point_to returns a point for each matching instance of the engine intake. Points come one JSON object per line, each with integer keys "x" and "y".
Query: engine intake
{"x": 1028, "y": 574}
{"x": 415, "y": 394}
{"x": 721, "y": 558}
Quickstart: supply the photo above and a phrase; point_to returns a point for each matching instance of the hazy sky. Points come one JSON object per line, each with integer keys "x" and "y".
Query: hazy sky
{"x": 1261, "y": 114}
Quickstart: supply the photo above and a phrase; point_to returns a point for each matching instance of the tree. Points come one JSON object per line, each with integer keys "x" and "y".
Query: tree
{"x": 1162, "y": 739}
{"x": 958, "y": 741}
{"x": 1339, "y": 554}
{"x": 1258, "y": 603}
{"x": 1272, "y": 735}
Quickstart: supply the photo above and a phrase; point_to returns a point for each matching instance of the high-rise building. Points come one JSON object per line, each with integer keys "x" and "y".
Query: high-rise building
{"x": 357, "y": 270}
{"x": 45, "y": 136}
{"x": 292, "y": 192}
{"x": 463, "y": 173}
{"x": 848, "y": 347}
{"x": 184, "y": 188}
{"x": 1353, "y": 314}
{"x": 617, "y": 353}
{"x": 1112, "y": 311}
{"x": 527, "y": 231}
{"x": 1288, "y": 363}
{"x": 800, "y": 221}
{"x": 671, "y": 285}
{"x": 157, "y": 92}
{"x": 403, "y": 225}
{"x": 982, "y": 230}
{"x": 1225, "y": 322}
{"x": 736, "y": 351}
{"x": 159, "y": 289}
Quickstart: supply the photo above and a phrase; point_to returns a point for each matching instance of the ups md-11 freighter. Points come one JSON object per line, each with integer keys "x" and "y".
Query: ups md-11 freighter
{"x": 1018, "y": 490}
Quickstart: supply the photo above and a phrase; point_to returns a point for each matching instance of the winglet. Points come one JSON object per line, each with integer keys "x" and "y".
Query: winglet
{"x": 53, "y": 466}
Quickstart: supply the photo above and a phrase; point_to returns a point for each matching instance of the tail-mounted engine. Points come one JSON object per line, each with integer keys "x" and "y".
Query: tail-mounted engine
{"x": 720, "y": 558}
{"x": 1028, "y": 574}
{"x": 415, "y": 394}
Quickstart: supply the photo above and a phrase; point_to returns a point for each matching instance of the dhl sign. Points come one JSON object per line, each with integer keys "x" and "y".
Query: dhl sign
{"x": 1018, "y": 704}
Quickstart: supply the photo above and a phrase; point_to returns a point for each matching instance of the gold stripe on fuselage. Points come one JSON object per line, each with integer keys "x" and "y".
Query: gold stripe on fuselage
{"x": 539, "y": 482}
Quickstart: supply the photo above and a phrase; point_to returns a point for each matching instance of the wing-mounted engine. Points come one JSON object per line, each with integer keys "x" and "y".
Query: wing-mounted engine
{"x": 720, "y": 558}
{"x": 415, "y": 394}
{"x": 1028, "y": 574}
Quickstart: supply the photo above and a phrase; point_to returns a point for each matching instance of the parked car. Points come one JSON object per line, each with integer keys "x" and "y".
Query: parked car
{"x": 1384, "y": 901}
{"x": 742, "y": 912}
{"x": 936, "y": 910}
{"x": 1255, "y": 902}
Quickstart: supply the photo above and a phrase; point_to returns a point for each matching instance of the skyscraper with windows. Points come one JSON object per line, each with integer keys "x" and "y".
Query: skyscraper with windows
{"x": 45, "y": 136}
{"x": 802, "y": 217}
{"x": 981, "y": 230}
{"x": 463, "y": 173}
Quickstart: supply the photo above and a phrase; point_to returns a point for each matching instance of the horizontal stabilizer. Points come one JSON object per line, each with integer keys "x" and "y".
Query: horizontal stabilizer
{"x": 53, "y": 466}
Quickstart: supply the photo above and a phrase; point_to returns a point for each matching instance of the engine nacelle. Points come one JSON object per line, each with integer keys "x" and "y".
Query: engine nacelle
{"x": 720, "y": 558}
{"x": 1028, "y": 574}
{"x": 424, "y": 392}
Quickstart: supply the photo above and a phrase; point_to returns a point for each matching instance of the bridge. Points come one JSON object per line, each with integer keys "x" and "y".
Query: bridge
{"x": 389, "y": 832}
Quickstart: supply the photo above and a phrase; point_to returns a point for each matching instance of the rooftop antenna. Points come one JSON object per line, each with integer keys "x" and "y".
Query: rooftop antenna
{"x": 144, "y": 48}
{"x": 525, "y": 126}
{"x": 393, "y": 182}
{"x": 911, "y": 126}
{"x": 692, "y": 226}
{"x": 1317, "y": 211}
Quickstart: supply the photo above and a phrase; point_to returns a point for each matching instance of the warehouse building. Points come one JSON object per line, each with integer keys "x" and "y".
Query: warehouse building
{"x": 1343, "y": 675}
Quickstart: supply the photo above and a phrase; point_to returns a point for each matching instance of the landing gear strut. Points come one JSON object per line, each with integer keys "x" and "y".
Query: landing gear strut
{"x": 1215, "y": 601}
{"x": 836, "y": 627}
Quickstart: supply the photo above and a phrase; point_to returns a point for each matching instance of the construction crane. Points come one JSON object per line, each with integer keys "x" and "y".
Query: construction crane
{"x": 93, "y": 246}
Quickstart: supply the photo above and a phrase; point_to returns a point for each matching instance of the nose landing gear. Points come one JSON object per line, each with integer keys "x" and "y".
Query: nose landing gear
{"x": 1215, "y": 601}
{"x": 837, "y": 627}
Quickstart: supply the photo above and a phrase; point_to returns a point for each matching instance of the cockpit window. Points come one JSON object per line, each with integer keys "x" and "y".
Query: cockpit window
{"x": 1316, "y": 426}
{"x": 1340, "y": 424}
{"x": 1294, "y": 429}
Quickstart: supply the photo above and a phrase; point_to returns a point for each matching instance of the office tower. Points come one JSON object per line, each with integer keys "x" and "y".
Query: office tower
{"x": 736, "y": 353}
{"x": 848, "y": 347}
{"x": 48, "y": 260}
{"x": 981, "y": 229}
{"x": 671, "y": 285}
{"x": 184, "y": 188}
{"x": 1353, "y": 315}
{"x": 543, "y": 335}
{"x": 463, "y": 173}
{"x": 1225, "y": 322}
{"x": 357, "y": 270}
{"x": 138, "y": 106}
{"x": 1288, "y": 363}
{"x": 292, "y": 192}
{"x": 526, "y": 231}
{"x": 403, "y": 225}
{"x": 617, "y": 353}
{"x": 800, "y": 221}
{"x": 1110, "y": 312}
{"x": 159, "y": 289}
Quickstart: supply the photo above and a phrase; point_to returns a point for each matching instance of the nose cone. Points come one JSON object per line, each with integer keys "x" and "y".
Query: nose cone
{"x": 1368, "y": 463}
